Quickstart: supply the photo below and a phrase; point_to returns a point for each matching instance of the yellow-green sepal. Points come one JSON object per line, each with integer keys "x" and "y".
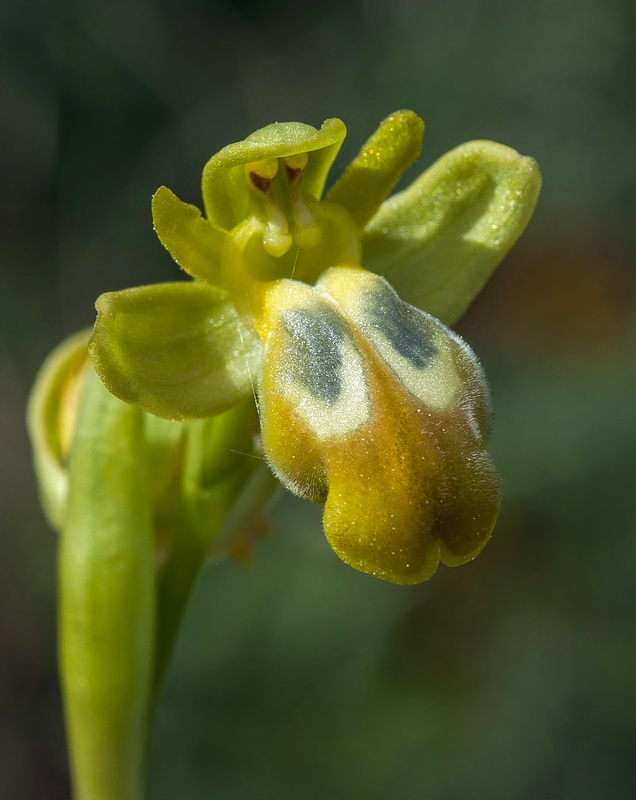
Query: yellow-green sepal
{"x": 192, "y": 241}
{"x": 51, "y": 421}
{"x": 225, "y": 191}
{"x": 439, "y": 240}
{"x": 177, "y": 350}
{"x": 376, "y": 169}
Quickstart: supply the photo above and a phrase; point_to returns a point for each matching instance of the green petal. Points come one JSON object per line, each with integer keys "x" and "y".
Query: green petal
{"x": 378, "y": 166}
{"x": 225, "y": 191}
{"x": 177, "y": 350}
{"x": 192, "y": 241}
{"x": 438, "y": 241}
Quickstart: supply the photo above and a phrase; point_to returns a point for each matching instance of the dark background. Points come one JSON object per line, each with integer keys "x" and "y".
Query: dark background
{"x": 511, "y": 678}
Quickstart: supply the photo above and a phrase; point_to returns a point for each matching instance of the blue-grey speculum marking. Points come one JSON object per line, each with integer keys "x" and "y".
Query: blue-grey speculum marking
{"x": 403, "y": 326}
{"x": 315, "y": 351}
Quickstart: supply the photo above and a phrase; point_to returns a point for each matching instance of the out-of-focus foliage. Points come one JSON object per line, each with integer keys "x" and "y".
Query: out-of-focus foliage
{"x": 295, "y": 677}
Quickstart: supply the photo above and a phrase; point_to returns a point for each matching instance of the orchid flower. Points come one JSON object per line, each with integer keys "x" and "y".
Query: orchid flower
{"x": 331, "y": 310}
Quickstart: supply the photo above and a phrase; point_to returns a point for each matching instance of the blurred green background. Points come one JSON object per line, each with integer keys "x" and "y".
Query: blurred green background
{"x": 513, "y": 677}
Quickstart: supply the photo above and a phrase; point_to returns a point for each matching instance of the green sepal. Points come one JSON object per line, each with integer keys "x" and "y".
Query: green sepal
{"x": 50, "y": 421}
{"x": 192, "y": 241}
{"x": 225, "y": 190}
{"x": 439, "y": 240}
{"x": 177, "y": 350}
{"x": 376, "y": 169}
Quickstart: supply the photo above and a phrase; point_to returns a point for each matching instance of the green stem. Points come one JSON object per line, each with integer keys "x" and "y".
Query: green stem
{"x": 216, "y": 467}
{"x": 107, "y": 599}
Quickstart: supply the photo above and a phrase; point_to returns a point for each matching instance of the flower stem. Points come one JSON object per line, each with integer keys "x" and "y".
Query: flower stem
{"x": 107, "y": 599}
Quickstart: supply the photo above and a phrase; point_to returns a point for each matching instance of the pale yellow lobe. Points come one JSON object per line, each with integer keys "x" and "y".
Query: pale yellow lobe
{"x": 437, "y": 385}
{"x": 297, "y": 316}
{"x": 331, "y": 420}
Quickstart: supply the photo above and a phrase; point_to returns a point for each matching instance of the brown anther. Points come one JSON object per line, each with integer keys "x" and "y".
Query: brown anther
{"x": 293, "y": 173}
{"x": 261, "y": 183}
